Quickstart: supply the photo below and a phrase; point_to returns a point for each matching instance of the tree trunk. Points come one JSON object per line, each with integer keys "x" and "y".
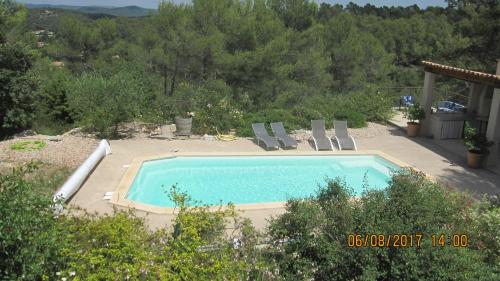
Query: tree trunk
{"x": 204, "y": 73}
{"x": 331, "y": 68}
{"x": 165, "y": 80}
{"x": 174, "y": 75}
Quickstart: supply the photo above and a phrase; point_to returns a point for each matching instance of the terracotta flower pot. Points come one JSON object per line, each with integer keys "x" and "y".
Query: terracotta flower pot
{"x": 412, "y": 129}
{"x": 474, "y": 159}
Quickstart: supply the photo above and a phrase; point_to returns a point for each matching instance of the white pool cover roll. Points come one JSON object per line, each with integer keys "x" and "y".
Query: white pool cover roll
{"x": 76, "y": 180}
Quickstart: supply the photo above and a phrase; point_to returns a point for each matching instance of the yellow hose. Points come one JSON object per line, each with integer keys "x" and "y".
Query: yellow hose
{"x": 225, "y": 137}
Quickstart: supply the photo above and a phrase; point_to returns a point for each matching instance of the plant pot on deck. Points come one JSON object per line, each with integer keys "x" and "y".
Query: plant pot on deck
{"x": 474, "y": 159}
{"x": 412, "y": 129}
{"x": 183, "y": 126}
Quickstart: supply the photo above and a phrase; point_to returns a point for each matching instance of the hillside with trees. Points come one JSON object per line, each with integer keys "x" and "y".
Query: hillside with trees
{"x": 127, "y": 11}
{"x": 249, "y": 60}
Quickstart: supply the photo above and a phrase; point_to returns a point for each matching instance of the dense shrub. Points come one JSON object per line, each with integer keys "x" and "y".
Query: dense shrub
{"x": 210, "y": 102}
{"x": 52, "y": 112}
{"x": 30, "y": 238}
{"x": 100, "y": 101}
{"x": 485, "y": 227}
{"x": 318, "y": 232}
{"x": 359, "y": 107}
{"x": 266, "y": 116}
{"x": 35, "y": 245}
{"x": 355, "y": 119}
{"x": 107, "y": 248}
{"x": 195, "y": 248}
{"x": 17, "y": 87}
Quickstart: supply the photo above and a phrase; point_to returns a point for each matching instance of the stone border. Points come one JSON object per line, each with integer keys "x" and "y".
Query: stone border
{"x": 119, "y": 196}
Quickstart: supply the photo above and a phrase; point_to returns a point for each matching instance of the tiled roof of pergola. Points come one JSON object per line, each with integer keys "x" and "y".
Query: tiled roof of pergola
{"x": 463, "y": 74}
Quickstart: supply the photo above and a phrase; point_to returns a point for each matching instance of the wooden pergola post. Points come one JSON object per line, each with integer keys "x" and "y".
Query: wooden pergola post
{"x": 426, "y": 103}
{"x": 493, "y": 130}
{"x": 474, "y": 98}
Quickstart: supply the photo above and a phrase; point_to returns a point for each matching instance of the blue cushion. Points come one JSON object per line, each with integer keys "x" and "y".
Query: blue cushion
{"x": 407, "y": 100}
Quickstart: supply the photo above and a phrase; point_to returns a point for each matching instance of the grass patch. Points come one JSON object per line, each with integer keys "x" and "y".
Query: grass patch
{"x": 44, "y": 178}
{"x": 47, "y": 180}
{"x": 28, "y": 145}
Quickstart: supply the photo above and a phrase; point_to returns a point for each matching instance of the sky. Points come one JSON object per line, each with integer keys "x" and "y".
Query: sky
{"x": 154, "y": 3}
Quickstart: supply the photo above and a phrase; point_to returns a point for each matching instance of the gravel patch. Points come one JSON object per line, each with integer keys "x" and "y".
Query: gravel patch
{"x": 73, "y": 148}
{"x": 371, "y": 131}
{"x": 68, "y": 150}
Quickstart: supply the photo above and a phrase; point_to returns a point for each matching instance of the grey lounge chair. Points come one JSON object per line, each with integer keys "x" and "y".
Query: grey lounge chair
{"x": 321, "y": 141}
{"x": 282, "y": 136}
{"x": 344, "y": 140}
{"x": 262, "y": 136}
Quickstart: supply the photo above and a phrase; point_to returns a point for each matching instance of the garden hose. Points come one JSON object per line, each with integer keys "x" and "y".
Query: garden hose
{"x": 225, "y": 137}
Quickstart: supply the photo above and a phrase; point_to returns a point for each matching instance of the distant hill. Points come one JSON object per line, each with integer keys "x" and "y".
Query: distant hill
{"x": 48, "y": 18}
{"x": 127, "y": 11}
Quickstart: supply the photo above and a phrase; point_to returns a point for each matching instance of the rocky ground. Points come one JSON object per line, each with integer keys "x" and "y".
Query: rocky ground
{"x": 68, "y": 150}
{"x": 371, "y": 131}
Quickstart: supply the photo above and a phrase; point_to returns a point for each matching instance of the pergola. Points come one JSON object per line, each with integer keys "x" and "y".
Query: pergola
{"x": 480, "y": 107}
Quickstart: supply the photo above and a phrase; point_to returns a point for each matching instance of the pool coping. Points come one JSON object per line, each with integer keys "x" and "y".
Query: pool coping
{"x": 120, "y": 193}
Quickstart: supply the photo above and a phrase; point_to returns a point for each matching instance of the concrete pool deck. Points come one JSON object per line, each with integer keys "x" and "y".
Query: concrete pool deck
{"x": 422, "y": 154}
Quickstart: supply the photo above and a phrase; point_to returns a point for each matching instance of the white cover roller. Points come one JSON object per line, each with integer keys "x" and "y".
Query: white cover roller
{"x": 71, "y": 186}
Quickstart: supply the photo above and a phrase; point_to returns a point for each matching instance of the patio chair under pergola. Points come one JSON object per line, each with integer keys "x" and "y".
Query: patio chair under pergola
{"x": 483, "y": 105}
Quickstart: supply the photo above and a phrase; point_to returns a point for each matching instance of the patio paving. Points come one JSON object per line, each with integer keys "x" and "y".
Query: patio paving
{"x": 452, "y": 146}
{"x": 421, "y": 153}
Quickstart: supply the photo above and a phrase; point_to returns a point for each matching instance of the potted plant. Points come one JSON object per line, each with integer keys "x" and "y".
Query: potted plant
{"x": 184, "y": 101}
{"x": 477, "y": 146}
{"x": 184, "y": 123}
{"x": 183, "y": 117}
{"x": 414, "y": 113}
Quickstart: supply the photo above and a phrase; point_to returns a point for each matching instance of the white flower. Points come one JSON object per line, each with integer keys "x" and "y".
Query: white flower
{"x": 72, "y": 273}
{"x": 63, "y": 279}
{"x": 58, "y": 273}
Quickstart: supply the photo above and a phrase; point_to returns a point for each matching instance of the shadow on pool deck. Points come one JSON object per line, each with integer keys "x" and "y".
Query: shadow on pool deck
{"x": 457, "y": 174}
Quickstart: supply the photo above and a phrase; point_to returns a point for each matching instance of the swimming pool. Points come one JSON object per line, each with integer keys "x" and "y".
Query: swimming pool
{"x": 253, "y": 179}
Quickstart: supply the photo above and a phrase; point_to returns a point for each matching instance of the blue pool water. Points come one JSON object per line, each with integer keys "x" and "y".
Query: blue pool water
{"x": 253, "y": 179}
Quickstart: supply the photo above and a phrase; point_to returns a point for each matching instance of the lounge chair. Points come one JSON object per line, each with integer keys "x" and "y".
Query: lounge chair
{"x": 321, "y": 141}
{"x": 282, "y": 136}
{"x": 262, "y": 136}
{"x": 344, "y": 140}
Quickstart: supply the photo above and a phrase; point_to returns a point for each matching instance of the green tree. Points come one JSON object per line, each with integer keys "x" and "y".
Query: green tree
{"x": 357, "y": 57}
{"x": 174, "y": 25}
{"x": 12, "y": 16}
{"x": 17, "y": 88}
{"x": 296, "y": 14}
{"x": 78, "y": 41}
{"x": 478, "y": 21}
{"x": 100, "y": 101}
{"x": 52, "y": 112}
{"x": 16, "y": 85}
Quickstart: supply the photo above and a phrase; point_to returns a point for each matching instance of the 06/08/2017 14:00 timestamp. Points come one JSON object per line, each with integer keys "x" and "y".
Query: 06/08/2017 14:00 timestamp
{"x": 406, "y": 240}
